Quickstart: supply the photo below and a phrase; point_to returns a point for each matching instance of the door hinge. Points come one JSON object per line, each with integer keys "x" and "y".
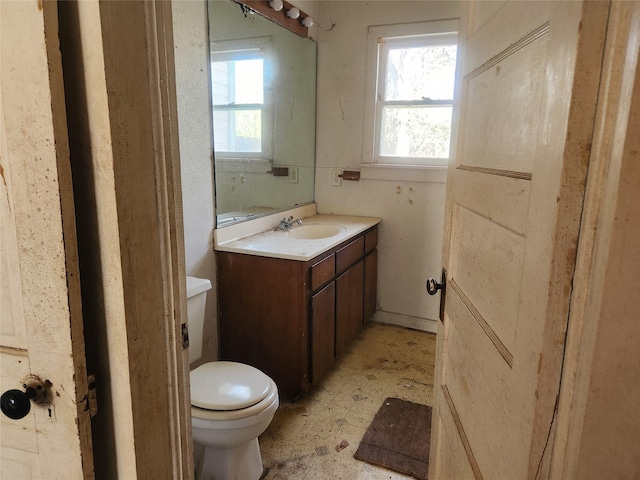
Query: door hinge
{"x": 185, "y": 336}
{"x": 92, "y": 396}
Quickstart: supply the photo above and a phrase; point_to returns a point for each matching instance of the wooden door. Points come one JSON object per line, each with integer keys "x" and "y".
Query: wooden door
{"x": 529, "y": 74}
{"x": 41, "y": 320}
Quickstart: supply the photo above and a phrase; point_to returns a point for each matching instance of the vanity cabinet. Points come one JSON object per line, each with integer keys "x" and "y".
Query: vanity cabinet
{"x": 292, "y": 319}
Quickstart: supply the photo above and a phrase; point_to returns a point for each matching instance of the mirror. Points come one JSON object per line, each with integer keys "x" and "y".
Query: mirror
{"x": 264, "y": 109}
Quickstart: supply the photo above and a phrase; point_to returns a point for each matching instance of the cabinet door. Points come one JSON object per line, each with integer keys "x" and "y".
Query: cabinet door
{"x": 370, "y": 284}
{"x": 323, "y": 309}
{"x": 349, "y": 306}
{"x": 263, "y": 312}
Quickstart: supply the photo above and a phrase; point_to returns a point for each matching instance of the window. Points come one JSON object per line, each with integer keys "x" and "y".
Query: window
{"x": 411, "y": 93}
{"x": 241, "y": 112}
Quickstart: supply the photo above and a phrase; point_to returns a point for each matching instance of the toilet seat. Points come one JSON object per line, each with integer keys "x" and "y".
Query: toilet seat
{"x": 230, "y": 390}
{"x": 249, "y": 414}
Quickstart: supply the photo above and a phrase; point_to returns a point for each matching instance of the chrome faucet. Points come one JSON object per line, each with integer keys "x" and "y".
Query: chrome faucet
{"x": 287, "y": 223}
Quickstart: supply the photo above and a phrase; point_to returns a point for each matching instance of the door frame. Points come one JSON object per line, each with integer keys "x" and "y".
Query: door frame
{"x": 606, "y": 273}
{"x": 122, "y": 116}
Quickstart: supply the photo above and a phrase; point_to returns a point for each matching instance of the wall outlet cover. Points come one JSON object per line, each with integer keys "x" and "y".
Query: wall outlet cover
{"x": 336, "y": 179}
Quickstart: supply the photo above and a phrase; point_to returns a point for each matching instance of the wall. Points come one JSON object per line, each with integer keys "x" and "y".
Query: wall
{"x": 192, "y": 91}
{"x": 412, "y": 213}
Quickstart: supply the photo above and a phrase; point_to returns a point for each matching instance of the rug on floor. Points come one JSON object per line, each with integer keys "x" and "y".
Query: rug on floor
{"x": 398, "y": 438}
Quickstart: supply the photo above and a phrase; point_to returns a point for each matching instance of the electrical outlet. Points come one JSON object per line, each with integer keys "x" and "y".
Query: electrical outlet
{"x": 293, "y": 174}
{"x": 336, "y": 179}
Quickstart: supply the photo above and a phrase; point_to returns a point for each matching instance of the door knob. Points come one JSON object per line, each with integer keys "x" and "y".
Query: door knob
{"x": 16, "y": 404}
{"x": 433, "y": 286}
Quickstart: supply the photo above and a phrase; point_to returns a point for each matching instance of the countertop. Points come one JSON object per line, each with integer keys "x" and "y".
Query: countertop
{"x": 279, "y": 244}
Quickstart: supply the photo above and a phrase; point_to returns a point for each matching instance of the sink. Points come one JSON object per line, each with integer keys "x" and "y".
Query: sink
{"x": 314, "y": 232}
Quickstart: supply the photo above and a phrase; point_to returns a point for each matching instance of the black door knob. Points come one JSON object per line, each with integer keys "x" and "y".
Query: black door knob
{"x": 433, "y": 286}
{"x": 17, "y": 404}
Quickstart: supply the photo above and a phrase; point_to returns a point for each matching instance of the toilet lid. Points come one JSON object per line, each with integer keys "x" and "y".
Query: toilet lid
{"x": 227, "y": 386}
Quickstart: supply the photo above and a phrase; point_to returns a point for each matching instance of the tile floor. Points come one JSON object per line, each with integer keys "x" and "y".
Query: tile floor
{"x": 302, "y": 441}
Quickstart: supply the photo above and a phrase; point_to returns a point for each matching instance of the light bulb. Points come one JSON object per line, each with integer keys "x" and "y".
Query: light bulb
{"x": 276, "y": 5}
{"x": 307, "y": 22}
{"x": 293, "y": 13}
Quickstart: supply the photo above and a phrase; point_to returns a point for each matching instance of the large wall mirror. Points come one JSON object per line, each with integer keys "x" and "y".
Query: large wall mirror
{"x": 264, "y": 109}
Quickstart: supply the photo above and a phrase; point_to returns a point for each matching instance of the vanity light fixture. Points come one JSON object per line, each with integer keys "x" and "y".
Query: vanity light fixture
{"x": 280, "y": 12}
{"x": 277, "y": 5}
{"x": 293, "y": 12}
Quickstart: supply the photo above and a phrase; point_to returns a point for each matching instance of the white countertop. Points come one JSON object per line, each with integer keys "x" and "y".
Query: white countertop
{"x": 279, "y": 244}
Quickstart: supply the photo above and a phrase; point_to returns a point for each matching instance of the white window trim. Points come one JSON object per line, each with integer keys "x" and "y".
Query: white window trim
{"x": 264, "y": 45}
{"x": 370, "y": 168}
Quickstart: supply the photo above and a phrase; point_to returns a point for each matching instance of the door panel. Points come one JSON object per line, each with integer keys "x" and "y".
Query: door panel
{"x": 496, "y": 369}
{"x": 514, "y": 198}
{"x": 486, "y": 194}
{"x": 502, "y": 137}
{"x": 480, "y": 264}
{"x": 480, "y": 12}
{"x": 455, "y": 464}
{"x": 468, "y": 376}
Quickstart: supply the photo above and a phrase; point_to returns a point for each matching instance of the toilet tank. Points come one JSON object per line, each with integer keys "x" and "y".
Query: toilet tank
{"x": 196, "y": 300}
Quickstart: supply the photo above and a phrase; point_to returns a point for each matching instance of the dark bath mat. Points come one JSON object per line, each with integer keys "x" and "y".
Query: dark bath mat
{"x": 398, "y": 438}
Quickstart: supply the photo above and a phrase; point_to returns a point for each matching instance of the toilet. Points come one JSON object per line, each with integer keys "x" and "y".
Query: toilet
{"x": 231, "y": 404}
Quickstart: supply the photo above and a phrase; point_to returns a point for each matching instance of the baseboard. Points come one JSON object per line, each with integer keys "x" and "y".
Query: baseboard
{"x": 407, "y": 321}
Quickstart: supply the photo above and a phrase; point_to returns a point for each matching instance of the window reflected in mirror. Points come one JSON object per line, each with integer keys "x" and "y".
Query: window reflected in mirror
{"x": 240, "y": 113}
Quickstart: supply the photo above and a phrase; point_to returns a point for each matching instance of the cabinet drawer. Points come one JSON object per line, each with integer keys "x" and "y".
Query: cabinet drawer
{"x": 322, "y": 272}
{"x": 371, "y": 240}
{"x": 347, "y": 256}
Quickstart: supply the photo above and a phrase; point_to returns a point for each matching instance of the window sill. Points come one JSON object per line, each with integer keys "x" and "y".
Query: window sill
{"x": 409, "y": 173}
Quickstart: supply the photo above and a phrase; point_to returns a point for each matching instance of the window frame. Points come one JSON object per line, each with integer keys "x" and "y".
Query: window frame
{"x": 374, "y": 165}
{"x": 225, "y": 50}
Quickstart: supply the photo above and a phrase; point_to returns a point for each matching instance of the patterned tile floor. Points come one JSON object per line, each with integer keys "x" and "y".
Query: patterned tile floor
{"x": 302, "y": 441}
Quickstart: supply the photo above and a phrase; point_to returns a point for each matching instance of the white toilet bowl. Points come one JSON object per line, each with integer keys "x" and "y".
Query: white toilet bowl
{"x": 231, "y": 405}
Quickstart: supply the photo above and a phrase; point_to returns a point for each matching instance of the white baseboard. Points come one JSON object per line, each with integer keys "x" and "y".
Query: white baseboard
{"x": 407, "y": 321}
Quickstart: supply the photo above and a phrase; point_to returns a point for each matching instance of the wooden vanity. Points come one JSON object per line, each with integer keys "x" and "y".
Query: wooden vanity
{"x": 292, "y": 318}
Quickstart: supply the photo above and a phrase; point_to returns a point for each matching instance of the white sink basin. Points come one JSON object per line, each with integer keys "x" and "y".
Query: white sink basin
{"x": 314, "y": 232}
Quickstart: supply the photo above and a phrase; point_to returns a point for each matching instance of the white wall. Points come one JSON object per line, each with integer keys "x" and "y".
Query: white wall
{"x": 194, "y": 119}
{"x": 412, "y": 213}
